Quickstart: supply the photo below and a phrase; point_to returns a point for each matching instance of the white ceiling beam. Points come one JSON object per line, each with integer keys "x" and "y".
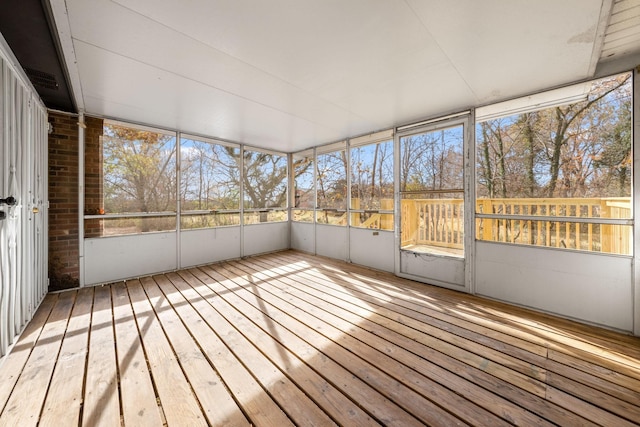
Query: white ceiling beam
{"x": 603, "y": 22}
{"x": 58, "y": 10}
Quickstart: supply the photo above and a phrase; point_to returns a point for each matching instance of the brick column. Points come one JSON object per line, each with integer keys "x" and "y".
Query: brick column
{"x": 63, "y": 194}
{"x": 63, "y": 202}
{"x": 93, "y": 182}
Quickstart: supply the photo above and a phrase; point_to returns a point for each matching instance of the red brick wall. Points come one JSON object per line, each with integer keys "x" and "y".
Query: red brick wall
{"x": 63, "y": 202}
{"x": 93, "y": 175}
{"x": 63, "y": 194}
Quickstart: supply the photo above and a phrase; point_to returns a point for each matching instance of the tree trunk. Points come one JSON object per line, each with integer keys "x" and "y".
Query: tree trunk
{"x": 373, "y": 173}
{"x": 487, "y": 160}
{"x": 558, "y": 142}
{"x": 528, "y": 134}
{"x": 502, "y": 169}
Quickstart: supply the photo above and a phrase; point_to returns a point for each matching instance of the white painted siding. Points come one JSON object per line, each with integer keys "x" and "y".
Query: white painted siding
{"x": 23, "y": 175}
{"x": 594, "y": 288}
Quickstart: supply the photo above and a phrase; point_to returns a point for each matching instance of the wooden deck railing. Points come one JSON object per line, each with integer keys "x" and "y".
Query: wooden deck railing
{"x": 440, "y": 222}
{"x": 373, "y": 220}
{"x": 434, "y": 222}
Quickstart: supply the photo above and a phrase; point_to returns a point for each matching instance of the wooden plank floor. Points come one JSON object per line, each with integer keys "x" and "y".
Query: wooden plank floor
{"x": 292, "y": 339}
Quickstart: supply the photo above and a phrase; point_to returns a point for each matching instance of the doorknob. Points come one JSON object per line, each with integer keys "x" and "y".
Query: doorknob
{"x": 10, "y": 201}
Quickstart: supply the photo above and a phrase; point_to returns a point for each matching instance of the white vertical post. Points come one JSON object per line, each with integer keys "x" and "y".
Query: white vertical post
{"x": 241, "y": 175}
{"x": 636, "y": 202}
{"x": 469, "y": 203}
{"x": 315, "y": 201}
{"x": 291, "y": 196}
{"x": 81, "y": 149}
{"x": 397, "y": 208}
{"x": 178, "y": 204}
{"x": 347, "y": 155}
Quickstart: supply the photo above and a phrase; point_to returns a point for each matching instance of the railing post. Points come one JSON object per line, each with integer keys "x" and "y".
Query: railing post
{"x": 355, "y": 217}
{"x": 487, "y": 223}
{"x": 386, "y": 221}
{"x": 606, "y": 230}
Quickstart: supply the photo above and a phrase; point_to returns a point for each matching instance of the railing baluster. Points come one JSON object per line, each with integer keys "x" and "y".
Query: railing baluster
{"x": 590, "y": 230}
{"x": 440, "y": 222}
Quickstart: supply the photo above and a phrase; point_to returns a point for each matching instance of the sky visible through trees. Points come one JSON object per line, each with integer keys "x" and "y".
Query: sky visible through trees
{"x": 576, "y": 150}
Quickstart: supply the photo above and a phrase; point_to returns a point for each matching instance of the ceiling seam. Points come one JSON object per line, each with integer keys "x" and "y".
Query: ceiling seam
{"x": 442, "y": 50}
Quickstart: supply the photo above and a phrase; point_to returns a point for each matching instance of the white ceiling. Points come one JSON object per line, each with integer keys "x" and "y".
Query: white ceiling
{"x": 290, "y": 74}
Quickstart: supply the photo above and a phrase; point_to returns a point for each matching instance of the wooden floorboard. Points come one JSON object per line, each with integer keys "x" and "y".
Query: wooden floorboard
{"x": 292, "y": 339}
{"x": 65, "y": 394}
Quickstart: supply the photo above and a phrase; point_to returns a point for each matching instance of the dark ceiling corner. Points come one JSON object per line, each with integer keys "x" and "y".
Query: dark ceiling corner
{"x": 24, "y": 25}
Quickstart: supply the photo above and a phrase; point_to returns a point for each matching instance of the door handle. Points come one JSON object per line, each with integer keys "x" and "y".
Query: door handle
{"x": 9, "y": 201}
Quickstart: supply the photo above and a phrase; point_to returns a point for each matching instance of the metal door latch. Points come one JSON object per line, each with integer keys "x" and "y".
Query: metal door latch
{"x": 9, "y": 201}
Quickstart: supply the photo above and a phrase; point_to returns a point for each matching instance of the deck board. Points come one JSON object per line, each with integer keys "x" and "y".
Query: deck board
{"x": 179, "y": 404}
{"x": 292, "y": 339}
{"x": 352, "y": 337}
{"x": 101, "y": 405}
{"x": 440, "y": 337}
{"x": 13, "y": 363}
{"x": 25, "y": 403}
{"x": 139, "y": 405}
{"x": 193, "y": 341}
{"x": 410, "y": 353}
{"x": 64, "y": 399}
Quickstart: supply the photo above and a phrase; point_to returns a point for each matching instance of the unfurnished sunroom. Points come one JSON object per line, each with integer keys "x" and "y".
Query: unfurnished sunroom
{"x": 356, "y": 213}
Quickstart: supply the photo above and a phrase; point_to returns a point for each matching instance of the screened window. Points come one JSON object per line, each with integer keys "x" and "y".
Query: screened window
{"x": 560, "y": 176}
{"x": 265, "y": 187}
{"x": 138, "y": 182}
{"x": 332, "y": 188}
{"x": 304, "y": 190}
{"x": 372, "y": 185}
{"x": 432, "y": 191}
{"x": 209, "y": 184}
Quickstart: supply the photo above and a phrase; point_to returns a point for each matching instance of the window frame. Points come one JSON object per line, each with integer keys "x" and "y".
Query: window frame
{"x": 103, "y": 216}
{"x": 383, "y": 137}
{"x": 538, "y": 102}
{"x": 305, "y": 154}
{"x": 264, "y": 210}
{"x": 198, "y": 212}
{"x": 328, "y": 149}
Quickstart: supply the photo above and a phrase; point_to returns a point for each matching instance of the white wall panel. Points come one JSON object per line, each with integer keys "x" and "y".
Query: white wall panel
{"x": 442, "y": 271}
{"x": 331, "y": 241}
{"x": 268, "y": 237}
{"x": 109, "y": 259}
{"x": 209, "y": 245}
{"x": 303, "y": 237}
{"x": 589, "y": 287}
{"x": 372, "y": 248}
